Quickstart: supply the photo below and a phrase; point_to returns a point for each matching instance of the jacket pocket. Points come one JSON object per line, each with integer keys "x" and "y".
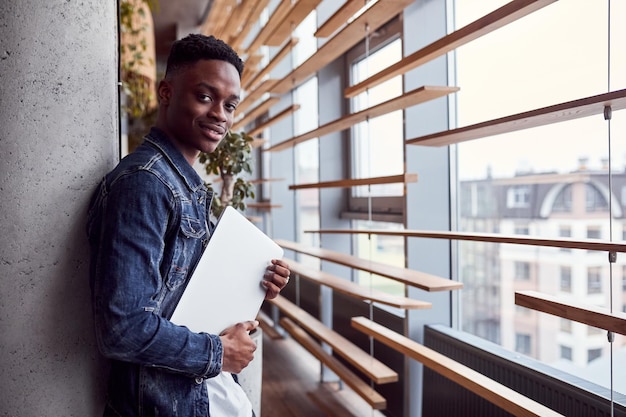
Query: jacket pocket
{"x": 188, "y": 245}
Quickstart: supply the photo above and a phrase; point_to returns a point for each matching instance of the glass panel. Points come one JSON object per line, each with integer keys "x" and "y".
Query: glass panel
{"x": 554, "y": 178}
{"x": 307, "y": 43}
{"x": 307, "y": 167}
{"x": 385, "y": 249}
{"x": 378, "y": 144}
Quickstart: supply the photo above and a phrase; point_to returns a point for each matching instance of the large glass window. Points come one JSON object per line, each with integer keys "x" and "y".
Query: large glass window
{"x": 307, "y": 162}
{"x": 377, "y": 150}
{"x": 555, "y": 178}
{"x": 378, "y": 143}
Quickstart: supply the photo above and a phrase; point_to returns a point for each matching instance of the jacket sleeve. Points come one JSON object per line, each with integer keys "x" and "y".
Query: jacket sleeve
{"x": 128, "y": 285}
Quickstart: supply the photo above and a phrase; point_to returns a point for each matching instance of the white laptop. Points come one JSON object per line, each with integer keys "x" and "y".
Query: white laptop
{"x": 225, "y": 288}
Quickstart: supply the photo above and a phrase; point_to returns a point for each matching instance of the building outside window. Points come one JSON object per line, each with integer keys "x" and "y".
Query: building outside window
{"x": 522, "y": 271}
{"x": 566, "y": 352}
{"x": 594, "y": 280}
{"x": 518, "y": 197}
{"x": 593, "y": 354}
{"x": 565, "y": 231}
{"x": 536, "y": 176}
{"x": 378, "y": 150}
{"x": 522, "y": 343}
{"x": 566, "y": 278}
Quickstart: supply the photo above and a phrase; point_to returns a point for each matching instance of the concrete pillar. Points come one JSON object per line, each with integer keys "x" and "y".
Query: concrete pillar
{"x": 58, "y": 136}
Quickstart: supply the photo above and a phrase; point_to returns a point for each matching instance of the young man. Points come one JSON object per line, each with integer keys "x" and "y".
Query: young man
{"x": 148, "y": 225}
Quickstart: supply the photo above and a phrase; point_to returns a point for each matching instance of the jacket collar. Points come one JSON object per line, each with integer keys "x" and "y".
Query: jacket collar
{"x": 161, "y": 141}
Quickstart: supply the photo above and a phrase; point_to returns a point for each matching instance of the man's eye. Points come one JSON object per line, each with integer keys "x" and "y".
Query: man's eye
{"x": 231, "y": 107}
{"x": 204, "y": 97}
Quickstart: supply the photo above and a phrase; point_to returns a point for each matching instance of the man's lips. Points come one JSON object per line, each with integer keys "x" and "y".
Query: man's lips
{"x": 214, "y": 131}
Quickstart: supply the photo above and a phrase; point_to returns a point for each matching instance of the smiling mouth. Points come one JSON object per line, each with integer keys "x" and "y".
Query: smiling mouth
{"x": 215, "y": 132}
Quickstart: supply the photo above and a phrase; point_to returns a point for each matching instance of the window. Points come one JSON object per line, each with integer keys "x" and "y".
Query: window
{"x": 566, "y": 352}
{"x": 522, "y": 229}
{"x": 593, "y": 354}
{"x": 522, "y": 271}
{"x": 565, "y": 231}
{"x": 594, "y": 232}
{"x": 594, "y": 280}
{"x": 563, "y": 201}
{"x": 563, "y": 195}
{"x": 377, "y": 145}
{"x": 518, "y": 197}
{"x": 306, "y": 162}
{"x": 566, "y": 278}
{"x": 522, "y": 343}
{"x": 594, "y": 200}
{"x": 386, "y": 249}
{"x": 566, "y": 325}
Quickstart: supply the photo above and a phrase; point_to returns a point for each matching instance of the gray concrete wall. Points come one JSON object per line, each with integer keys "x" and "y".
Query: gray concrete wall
{"x": 58, "y": 135}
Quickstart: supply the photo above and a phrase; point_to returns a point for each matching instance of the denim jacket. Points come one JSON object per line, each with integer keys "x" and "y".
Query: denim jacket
{"x": 147, "y": 228}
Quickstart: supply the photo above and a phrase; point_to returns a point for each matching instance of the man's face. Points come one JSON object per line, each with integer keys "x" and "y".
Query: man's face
{"x": 198, "y": 105}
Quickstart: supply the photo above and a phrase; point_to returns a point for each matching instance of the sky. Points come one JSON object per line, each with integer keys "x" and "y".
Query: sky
{"x": 534, "y": 63}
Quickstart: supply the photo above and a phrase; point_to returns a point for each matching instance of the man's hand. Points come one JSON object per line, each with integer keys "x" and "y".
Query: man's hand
{"x": 276, "y": 278}
{"x": 238, "y": 346}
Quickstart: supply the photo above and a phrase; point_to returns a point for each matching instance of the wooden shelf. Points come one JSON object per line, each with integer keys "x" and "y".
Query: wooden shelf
{"x": 276, "y": 59}
{"x": 236, "y": 21}
{"x": 426, "y": 282}
{"x": 250, "y": 67}
{"x": 393, "y": 179}
{"x": 286, "y": 112}
{"x": 355, "y": 290}
{"x": 376, "y": 16}
{"x": 588, "y": 244}
{"x": 492, "y": 391}
{"x": 417, "y": 96}
{"x": 298, "y": 12}
{"x": 263, "y": 206}
{"x": 256, "y": 112}
{"x": 264, "y": 180}
{"x": 258, "y": 142}
{"x": 360, "y": 387}
{"x": 570, "y": 110}
{"x": 586, "y": 314}
{"x": 266, "y": 31}
{"x": 371, "y": 367}
{"x": 506, "y": 14}
{"x": 339, "y": 18}
{"x": 255, "y": 94}
{"x": 255, "y": 13}
{"x": 216, "y": 20}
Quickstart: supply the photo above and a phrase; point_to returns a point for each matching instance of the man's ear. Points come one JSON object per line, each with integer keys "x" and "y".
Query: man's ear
{"x": 164, "y": 92}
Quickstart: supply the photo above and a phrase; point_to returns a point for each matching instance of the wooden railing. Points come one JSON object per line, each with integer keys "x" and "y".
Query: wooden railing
{"x": 494, "y": 392}
{"x": 361, "y": 360}
{"x": 360, "y": 387}
{"x": 355, "y": 290}
{"x": 424, "y": 281}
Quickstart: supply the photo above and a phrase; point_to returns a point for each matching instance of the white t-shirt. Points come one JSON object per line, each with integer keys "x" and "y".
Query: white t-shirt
{"x": 227, "y": 398}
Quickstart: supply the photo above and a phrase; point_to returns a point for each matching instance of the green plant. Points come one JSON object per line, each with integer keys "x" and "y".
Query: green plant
{"x": 136, "y": 59}
{"x": 231, "y": 158}
{"x": 137, "y": 66}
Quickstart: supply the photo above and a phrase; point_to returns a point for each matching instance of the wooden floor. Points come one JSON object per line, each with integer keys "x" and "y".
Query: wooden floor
{"x": 291, "y": 386}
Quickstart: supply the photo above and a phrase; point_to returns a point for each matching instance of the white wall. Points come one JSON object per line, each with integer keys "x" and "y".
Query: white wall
{"x": 58, "y": 136}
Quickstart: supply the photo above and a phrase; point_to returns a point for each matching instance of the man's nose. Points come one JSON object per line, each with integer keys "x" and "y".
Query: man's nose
{"x": 217, "y": 110}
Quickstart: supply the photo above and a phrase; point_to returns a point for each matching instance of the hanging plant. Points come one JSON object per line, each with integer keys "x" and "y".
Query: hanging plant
{"x": 138, "y": 66}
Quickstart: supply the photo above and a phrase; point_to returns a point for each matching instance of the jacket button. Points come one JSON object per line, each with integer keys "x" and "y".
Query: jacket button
{"x": 199, "y": 380}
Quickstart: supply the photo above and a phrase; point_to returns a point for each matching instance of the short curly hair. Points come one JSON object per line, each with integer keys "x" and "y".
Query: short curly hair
{"x": 194, "y": 47}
